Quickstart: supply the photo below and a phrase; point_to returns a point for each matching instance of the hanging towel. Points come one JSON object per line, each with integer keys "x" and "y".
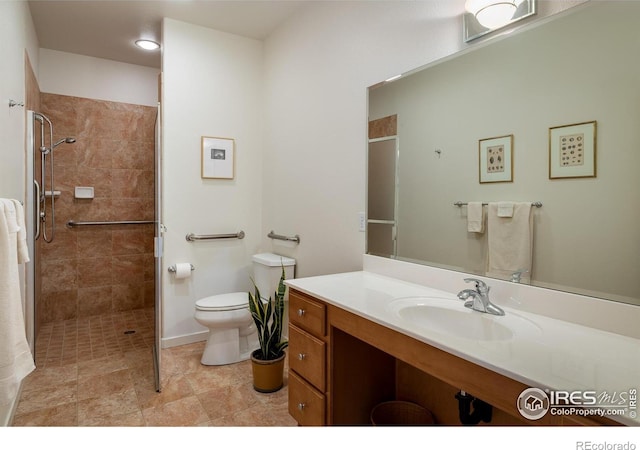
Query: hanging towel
{"x": 16, "y": 360}
{"x": 505, "y": 209}
{"x": 23, "y": 250}
{"x": 510, "y": 241}
{"x": 475, "y": 217}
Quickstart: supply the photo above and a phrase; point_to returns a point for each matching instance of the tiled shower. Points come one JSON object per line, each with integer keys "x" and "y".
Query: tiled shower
{"x": 95, "y": 270}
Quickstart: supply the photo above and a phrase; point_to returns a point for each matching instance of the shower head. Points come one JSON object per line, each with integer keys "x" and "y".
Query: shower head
{"x": 68, "y": 140}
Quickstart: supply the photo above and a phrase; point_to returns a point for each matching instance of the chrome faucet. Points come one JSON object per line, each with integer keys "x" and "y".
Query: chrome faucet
{"x": 479, "y": 298}
{"x": 517, "y": 275}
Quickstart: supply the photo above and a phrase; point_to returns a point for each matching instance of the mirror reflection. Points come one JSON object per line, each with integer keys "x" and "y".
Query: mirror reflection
{"x": 576, "y": 75}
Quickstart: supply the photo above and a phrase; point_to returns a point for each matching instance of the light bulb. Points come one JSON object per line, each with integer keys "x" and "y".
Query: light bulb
{"x": 492, "y": 13}
{"x": 497, "y": 15}
{"x": 147, "y": 44}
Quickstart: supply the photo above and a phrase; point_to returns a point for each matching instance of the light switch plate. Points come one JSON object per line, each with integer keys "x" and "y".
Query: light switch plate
{"x": 362, "y": 221}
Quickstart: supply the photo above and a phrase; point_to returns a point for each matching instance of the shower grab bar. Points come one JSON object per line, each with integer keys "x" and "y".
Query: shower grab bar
{"x": 280, "y": 237}
{"x": 205, "y": 237}
{"x": 72, "y": 224}
{"x": 460, "y": 204}
{"x": 37, "y": 202}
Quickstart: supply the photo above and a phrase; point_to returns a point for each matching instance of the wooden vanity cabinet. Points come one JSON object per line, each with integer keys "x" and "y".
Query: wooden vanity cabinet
{"x": 342, "y": 365}
{"x": 307, "y": 359}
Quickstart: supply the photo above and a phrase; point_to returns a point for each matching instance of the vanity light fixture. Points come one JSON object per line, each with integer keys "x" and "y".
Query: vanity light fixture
{"x": 491, "y": 13}
{"x": 147, "y": 44}
{"x": 484, "y": 16}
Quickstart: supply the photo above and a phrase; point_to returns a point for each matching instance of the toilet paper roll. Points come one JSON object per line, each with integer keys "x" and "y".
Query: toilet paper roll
{"x": 183, "y": 270}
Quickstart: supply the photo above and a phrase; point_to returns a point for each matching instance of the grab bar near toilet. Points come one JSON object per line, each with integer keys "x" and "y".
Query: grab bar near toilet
{"x": 205, "y": 237}
{"x": 280, "y": 237}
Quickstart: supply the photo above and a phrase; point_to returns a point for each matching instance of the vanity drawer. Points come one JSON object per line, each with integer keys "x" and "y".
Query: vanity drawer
{"x": 307, "y": 356}
{"x": 306, "y": 404}
{"x": 307, "y": 313}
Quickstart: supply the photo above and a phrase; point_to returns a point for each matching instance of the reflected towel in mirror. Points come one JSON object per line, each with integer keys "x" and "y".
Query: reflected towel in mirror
{"x": 505, "y": 209}
{"x": 475, "y": 217}
{"x": 510, "y": 241}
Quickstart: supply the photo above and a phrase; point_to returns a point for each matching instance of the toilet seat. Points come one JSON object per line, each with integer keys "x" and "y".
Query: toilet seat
{"x": 224, "y": 302}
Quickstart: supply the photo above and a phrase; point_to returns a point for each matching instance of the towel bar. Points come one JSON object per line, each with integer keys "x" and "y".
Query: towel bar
{"x": 460, "y": 204}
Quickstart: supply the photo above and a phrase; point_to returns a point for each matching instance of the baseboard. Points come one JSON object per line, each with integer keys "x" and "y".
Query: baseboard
{"x": 185, "y": 339}
{"x": 202, "y": 336}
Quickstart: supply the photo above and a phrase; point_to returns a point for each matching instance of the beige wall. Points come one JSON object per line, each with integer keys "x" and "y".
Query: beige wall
{"x": 212, "y": 86}
{"x": 317, "y": 69}
{"x": 101, "y": 79}
{"x": 17, "y": 35}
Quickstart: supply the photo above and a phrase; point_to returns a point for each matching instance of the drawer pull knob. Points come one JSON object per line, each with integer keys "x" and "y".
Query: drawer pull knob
{"x": 300, "y": 312}
{"x": 301, "y": 406}
{"x": 301, "y": 356}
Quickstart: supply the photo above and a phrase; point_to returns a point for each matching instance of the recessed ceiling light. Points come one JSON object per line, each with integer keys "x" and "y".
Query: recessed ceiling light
{"x": 147, "y": 44}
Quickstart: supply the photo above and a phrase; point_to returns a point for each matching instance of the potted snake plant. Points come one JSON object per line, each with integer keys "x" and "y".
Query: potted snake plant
{"x": 267, "y": 362}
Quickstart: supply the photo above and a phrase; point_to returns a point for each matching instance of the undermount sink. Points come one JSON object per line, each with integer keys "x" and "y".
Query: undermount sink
{"x": 448, "y": 316}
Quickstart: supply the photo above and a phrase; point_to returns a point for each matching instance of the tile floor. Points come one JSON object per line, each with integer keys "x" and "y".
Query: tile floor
{"x": 91, "y": 373}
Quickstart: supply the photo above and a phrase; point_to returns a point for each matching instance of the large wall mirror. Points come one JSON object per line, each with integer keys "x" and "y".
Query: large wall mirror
{"x": 579, "y": 66}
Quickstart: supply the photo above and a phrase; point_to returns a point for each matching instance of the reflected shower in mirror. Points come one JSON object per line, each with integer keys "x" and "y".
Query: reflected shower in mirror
{"x": 577, "y": 67}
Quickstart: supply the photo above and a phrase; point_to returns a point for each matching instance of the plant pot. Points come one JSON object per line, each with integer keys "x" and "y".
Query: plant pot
{"x": 268, "y": 376}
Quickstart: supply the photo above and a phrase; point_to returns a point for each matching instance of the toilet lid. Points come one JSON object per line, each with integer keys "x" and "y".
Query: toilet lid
{"x": 224, "y": 302}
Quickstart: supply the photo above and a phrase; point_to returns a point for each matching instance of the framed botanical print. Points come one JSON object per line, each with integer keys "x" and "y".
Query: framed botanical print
{"x": 496, "y": 159}
{"x": 572, "y": 150}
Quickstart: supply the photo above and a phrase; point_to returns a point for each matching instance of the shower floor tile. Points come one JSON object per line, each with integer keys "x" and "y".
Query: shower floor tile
{"x": 95, "y": 372}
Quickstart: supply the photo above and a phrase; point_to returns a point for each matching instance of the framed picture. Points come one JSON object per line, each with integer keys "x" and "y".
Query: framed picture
{"x": 572, "y": 151}
{"x": 496, "y": 159}
{"x": 218, "y": 157}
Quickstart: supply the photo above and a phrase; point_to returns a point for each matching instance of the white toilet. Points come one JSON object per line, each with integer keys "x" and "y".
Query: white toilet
{"x": 232, "y": 333}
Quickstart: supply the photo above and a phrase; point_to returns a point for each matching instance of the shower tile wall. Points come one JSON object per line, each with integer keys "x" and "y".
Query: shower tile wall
{"x": 88, "y": 271}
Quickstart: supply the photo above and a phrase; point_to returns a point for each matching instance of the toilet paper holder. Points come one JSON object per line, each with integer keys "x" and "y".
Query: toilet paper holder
{"x": 172, "y": 269}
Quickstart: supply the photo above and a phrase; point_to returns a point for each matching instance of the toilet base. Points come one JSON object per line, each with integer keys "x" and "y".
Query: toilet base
{"x": 227, "y": 346}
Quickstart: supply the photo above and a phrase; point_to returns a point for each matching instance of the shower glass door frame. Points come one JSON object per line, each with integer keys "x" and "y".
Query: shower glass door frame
{"x": 158, "y": 250}
{"x": 30, "y": 221}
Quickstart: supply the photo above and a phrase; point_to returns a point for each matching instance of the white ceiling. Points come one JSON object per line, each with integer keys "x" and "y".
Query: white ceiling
{"x": 107, "y": 29}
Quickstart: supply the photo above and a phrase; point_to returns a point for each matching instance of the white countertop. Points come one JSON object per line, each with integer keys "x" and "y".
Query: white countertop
{"x": 551, "y": 354}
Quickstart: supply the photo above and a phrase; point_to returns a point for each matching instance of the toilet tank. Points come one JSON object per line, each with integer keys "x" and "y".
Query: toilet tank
{"x": 267, "y": 269}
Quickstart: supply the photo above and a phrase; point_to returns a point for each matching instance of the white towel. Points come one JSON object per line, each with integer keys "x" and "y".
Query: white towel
{"x": 510, "y": 241}
{"x": 505, "y": 209}
{"x": 10, "y": 216}
{"x": 16, "y": 360}
{"x": 23, "y": 250}
{"x": 475, "y": 217}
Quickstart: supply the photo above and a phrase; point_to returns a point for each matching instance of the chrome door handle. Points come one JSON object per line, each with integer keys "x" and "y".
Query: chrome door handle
{"x": 301, "y": 312}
